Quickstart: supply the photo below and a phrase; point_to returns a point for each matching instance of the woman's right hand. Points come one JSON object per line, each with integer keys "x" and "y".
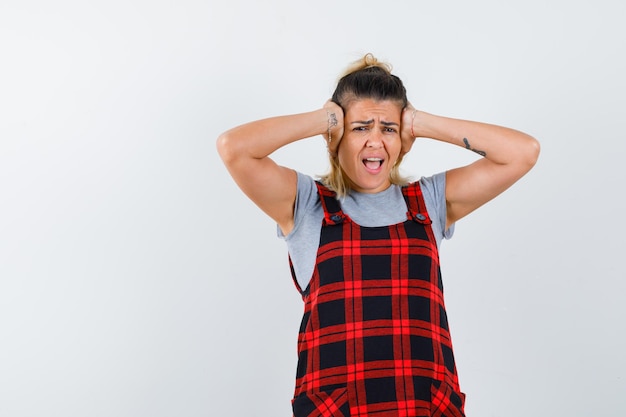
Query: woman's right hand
{"x": 334, "y": 113}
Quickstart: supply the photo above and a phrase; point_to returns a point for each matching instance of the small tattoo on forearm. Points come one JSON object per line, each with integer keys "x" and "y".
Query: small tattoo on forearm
{"x": 468, "y": 146}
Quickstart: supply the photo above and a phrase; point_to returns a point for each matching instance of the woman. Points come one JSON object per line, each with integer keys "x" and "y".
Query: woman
{"x": 363, "y": 244}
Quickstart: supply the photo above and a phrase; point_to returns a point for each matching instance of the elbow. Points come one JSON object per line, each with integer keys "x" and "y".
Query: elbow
{"x": 226, "y": 148}
{"x": 524, "y": 155}
{"x": 532, "y": 152}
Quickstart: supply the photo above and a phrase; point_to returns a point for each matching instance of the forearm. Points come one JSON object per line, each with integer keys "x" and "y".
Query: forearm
{"x": 498, "y": 144}
{"x": 260, "y": 138}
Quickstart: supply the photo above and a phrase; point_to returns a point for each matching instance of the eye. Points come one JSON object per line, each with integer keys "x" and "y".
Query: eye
{"x": 390, "y": 130}
{"x": 360, "y": 129}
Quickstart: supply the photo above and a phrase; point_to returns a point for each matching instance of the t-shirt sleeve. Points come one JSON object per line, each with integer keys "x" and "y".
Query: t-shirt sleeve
{"x": 306, "y": 198}
{"x": 434, "y": 191}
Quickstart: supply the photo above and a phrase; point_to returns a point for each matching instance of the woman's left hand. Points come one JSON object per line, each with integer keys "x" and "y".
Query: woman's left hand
{"x": 406, "y": 130}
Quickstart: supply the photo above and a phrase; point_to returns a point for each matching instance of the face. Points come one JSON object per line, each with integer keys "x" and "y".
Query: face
{"x": 370, "y": 144}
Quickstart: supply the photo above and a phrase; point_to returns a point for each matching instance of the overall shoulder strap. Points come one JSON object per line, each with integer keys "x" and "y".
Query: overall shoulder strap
{"x": 332, "y": 209}
{"x": 415, "y": 202}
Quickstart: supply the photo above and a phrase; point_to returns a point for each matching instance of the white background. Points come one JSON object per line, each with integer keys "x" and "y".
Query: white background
{"x": 137, "y": 280}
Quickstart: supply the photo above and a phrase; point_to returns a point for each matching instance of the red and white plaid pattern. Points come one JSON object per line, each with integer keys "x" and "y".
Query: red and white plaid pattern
{"x": 374, "y": 338}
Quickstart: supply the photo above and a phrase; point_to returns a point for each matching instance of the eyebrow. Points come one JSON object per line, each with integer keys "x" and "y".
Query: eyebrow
{"x": 369, "y": 122}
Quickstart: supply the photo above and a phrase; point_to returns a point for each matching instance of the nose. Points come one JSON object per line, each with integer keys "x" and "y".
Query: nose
{"x": 374, "y": 140}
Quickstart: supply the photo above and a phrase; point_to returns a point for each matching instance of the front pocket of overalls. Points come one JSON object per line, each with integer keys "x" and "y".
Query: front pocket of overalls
{"x": 446, "y": 402}
{"x": 322, "y": 404}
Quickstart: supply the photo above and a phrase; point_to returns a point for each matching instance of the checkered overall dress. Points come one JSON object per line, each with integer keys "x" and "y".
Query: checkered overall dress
{"x": 374, "y": 337}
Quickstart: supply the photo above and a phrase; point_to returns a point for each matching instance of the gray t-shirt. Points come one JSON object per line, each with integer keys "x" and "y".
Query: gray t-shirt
{"x": 368, "y": 210}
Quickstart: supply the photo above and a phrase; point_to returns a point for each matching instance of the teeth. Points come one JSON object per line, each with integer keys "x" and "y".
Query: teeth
{"x": 373, "y": 163}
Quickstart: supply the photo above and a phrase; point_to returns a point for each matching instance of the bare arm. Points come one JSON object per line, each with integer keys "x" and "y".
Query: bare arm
{"x": 507, "y": 155}
{"x": 245, "y": 151}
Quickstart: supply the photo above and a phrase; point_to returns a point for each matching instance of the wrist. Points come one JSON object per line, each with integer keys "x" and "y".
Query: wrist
{"x": 422, "y": 124}
{"x": 331, "y": 123}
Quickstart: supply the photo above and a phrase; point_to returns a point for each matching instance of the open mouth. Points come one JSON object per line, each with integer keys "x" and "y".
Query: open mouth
{"x": 373, "y": 163}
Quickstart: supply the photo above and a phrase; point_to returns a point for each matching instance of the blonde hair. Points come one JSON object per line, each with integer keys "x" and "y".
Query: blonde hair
{"x": 368, "y": 60}
{"x": 365, "y": 78}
